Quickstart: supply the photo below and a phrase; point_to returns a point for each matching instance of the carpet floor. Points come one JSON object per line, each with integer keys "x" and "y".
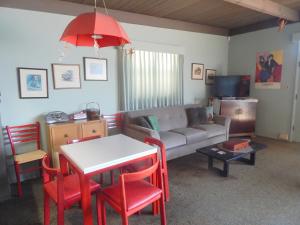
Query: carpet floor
{"x": 265, "y": 194}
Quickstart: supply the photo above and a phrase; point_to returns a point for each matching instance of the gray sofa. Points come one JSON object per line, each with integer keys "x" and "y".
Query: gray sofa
{"x": 179, "y": 139}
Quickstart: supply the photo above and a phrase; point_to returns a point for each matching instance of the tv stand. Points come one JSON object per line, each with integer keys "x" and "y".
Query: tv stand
{"x": 242, "y": 113}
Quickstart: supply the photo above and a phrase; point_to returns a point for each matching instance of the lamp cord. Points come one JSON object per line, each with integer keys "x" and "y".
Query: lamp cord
{"x": 104, "y": 4}
{"x": 105, "y": 7}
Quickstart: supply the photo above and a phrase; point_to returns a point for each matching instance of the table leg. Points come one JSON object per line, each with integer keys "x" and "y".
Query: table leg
{"x": 86, "y": 200}
{"x": 252, "y": 158}
{"x": 210, "y": 162}
{"x": 225, "y": 169}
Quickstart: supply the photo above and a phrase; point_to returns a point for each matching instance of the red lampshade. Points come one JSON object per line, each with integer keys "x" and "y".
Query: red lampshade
{"x": 80, "y": 30}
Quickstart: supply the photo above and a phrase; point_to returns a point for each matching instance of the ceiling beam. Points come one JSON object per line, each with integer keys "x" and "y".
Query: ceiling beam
{"x": 255, "y": 27}
{"x": 268, "y": 7}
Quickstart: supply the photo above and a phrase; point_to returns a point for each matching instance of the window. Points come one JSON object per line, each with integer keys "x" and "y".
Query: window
{"x": 151, "y": 79}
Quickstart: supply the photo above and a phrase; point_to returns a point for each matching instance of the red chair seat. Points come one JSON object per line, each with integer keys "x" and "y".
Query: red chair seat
{"x": 71, "y": 186}
{"x": 134, "y": 196}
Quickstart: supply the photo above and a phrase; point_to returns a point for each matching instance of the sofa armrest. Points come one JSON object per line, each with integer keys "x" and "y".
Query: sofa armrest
{"x": 225, "y": 121}
{"x": 139, "y": 132}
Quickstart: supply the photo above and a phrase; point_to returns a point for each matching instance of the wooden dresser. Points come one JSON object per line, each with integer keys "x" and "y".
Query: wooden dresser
{"x": 242, "y": 113}
{"x": 58, "y": 134}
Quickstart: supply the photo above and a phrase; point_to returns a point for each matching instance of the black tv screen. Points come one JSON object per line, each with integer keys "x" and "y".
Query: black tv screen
{"x": 232, "y": 86}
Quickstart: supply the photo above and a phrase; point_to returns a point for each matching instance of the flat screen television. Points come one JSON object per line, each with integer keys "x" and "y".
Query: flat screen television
{"x": 232, "y": 86}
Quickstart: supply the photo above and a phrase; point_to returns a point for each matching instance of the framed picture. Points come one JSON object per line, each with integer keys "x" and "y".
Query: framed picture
{"x": 66, "y": 76}
{"x": 33, "y": 82}
{"x": 197, "y": 71}
{"x": 210, "y": 76}
{"x": 95, "y": 69}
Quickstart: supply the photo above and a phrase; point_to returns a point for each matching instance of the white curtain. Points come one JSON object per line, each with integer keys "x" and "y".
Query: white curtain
{"x": 150, "y": 79}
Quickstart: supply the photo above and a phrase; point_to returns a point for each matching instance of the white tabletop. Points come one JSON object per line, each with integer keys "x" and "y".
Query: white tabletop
{"x": 97, "y": 154}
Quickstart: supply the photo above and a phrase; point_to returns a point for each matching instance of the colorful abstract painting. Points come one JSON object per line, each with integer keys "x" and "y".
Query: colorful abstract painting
{"x": 268, "y": 69}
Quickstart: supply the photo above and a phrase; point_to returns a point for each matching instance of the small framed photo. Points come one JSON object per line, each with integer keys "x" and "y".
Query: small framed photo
{"x": 95, "y": 69}
{"x": 66, "y": 76}
{"x": 197, "y": 71}
{"x": 210, "y": 76}
{"x": 33, "y": 82}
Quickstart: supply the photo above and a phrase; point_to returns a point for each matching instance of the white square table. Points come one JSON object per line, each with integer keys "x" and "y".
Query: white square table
{"x": 100, "y": 155}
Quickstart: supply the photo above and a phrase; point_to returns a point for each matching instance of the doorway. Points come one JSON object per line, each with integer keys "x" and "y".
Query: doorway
{"x": 295, "y": 121}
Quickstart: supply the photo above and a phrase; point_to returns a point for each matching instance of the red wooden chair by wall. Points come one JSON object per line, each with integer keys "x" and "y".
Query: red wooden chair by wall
{"x": 63, "y": 189}
{"x": 144, "y": 164}
{"x": 87, "y": 139}
{"x": 25, "y": 134}
{"x": 134, "y": 193}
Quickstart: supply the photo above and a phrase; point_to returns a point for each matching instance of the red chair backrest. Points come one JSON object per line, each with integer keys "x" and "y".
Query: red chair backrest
{"x": 83, "y": 139}
{"x": 140, "y": 175}
{"x": 115, "y": 120}
{"x": 162, "y": 150}
{"x": 24, "y": 134}
{"x": 49, "y": 174}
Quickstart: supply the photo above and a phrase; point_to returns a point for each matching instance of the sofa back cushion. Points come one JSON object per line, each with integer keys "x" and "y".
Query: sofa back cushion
{"x": 196, "y": 116}
{"x": 143, "y": 122}
{"x": 169, "y": 118}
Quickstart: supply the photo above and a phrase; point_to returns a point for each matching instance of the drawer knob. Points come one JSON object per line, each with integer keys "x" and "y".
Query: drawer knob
{"x": 239, "y": 111}
{"x": 93, "y": 131}
{"x": 66, "y": 135}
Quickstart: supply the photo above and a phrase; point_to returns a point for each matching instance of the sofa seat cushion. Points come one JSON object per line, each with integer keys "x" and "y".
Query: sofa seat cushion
{"x": 192, "y": 135}
{"x": 172, "y": 139}
{"x": 212, "y": 129}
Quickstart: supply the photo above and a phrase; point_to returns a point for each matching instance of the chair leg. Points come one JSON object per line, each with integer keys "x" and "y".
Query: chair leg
{"x": 60, "y": 214}
{"x": 163, "y": 219}
{"x": 98, "y": 206}
{"x": 103, "y": 212}
{"x": 46, "y": 209}
{"x": 166, "y": 187}
{"x": 17, "y": 170}
{"x": 124, "y": 220}
{"x": 101, "y": 178}
{"x": 41, "y": 168}
{"x": 111, "y": 177}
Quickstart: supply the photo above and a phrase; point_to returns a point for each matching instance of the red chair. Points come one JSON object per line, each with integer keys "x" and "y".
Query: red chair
{"x": 62, "y": 189}
{"x": 134, "y": 193}
{"x": 87, "y": 139}
{"x": 146, "y": 163}
{"x": 25, "y": 134}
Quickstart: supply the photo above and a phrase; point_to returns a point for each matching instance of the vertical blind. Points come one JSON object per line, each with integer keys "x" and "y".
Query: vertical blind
{"x": 150, "y": 79}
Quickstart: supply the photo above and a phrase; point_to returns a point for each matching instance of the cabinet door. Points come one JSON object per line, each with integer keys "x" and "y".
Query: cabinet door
{"x": 64, "y": 132}
{"x": 248, "y": 116}
{"x": 233, "y": 110}
{"x": 93, "y": 128}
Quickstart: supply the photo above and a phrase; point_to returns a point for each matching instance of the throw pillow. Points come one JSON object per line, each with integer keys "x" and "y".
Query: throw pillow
{"x": 143, "y": 122}
{"x": 196, "y": 116}
{"x": 153, "y": 122}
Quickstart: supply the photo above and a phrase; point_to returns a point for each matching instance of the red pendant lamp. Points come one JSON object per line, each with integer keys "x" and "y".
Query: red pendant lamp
{"x": 95, "y": 29}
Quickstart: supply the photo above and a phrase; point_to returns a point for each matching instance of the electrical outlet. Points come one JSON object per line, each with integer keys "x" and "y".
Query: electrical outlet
{"x": 283, "y": 136}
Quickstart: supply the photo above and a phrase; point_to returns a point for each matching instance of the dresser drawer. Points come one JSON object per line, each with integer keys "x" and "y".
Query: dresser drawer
{"x": 93, "y": 128}
{"x": 62, "y": 133}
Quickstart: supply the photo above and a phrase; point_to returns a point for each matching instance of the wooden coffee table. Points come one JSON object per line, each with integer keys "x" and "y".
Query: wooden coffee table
{"x": 226, "y": 156}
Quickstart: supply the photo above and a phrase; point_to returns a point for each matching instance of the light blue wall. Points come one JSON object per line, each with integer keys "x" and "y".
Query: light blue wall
{"x": 30, "y": 39}
{"x": 275, "y": 106}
